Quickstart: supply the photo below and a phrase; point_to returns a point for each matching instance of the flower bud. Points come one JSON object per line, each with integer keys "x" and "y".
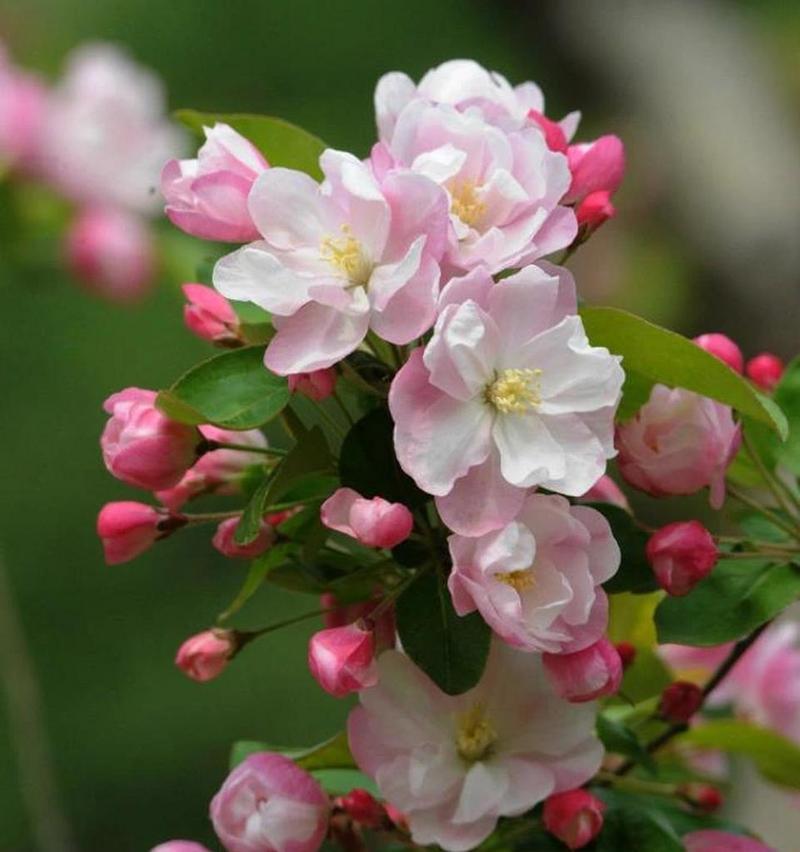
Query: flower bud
{"x": 316, "y": 385}
{"x": 23, "y": 107}
{"x": 362, "y": 807}
{"x": 179, "y": 846}
{"x": 204, "y": 656}
{"x": 127, "y": 529}
{"x": 342, "y": 659}
{"x": 210, "y": 316}
{"x": 375, "y": 522}
{"x": 710, "y": 840}
{"x": 574, "y": 817}
{"x": 141, "y": 445}
{"x": 207, "y": 197}
{"x": 340, "y": 615}
{"x": 627, "y": 653}
{"x": 269, "y": 804}
{"x": 765, "y": 370}
{"x": 680, "y": 701}
{"x": 111, "y": 253}
{"x": 553, "y": 132}
{"x": 722, "y": 347}
{"x": 587, "y": 674}
{"x": 595, "y": 166}
{"x": 681, "y": 554}
{"x": 704, "y": 797}
{"x": 224, "y": 541}
{"x": 595, "y": 210}
{"x": 605, "y": 490}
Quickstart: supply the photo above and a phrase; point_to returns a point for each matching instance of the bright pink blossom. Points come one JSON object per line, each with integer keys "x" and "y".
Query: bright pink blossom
{"x": 722, "y": 347}
{"x": 127, "y": 529}
{"x": 207, "y": 196}
{"x": 224, "y": 541}
{"x": 595, "y": 166}
{"x": 111, "y": 253}
{"x": 342, "y": 659}
{"x": 680, "y": 701}
{"x": 765, "y": 370}
{"x": 269, "y": 804}
{"x": 710, "y": 840}
{"x": 704, "y": 797}
{"x": 179, "y": 846}
{"x": 141, "y": 445}
{"x": 339, "y": 259}
{"x": 317, "y": 385}
{"x": 23, "y": 102}
{"x": 575, "y": 817}
{"x": 362, "y": 807}
{"x": 587, "y": 674}
{"x": 678, "y": 443}
{"x": 508, "y": 394}
{"x": 210, "y": 316}
{"x": 455, "y": 764}
{"x": 681, "y": 555}
{"x": 374, "y": 522}
{"x": 595, "y": 210}
{"x": 536, "y": 582}
{"x": 204, "y": 656}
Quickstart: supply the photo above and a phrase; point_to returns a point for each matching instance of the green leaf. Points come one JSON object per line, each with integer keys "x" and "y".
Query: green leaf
{"x": 637, "y": 828}
{"x": 654, "y": 354}
{"x": 256, "y": 575}
{"x": 330, "y": 754}
{"x": 620, "y": 739}
{"x": 735, "y": 598}
{"x": 337, "y": 782}
{"x": 449, "y": 648}
{"x": 787, "y": 396}
{"x": 233, "y": 390}
{"x": 635, "y": 574}
{"x": 282, "y": 143}
{"x": 776, "y": 757}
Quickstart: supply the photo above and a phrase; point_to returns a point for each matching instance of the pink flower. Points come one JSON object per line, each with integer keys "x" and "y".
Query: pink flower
{"x": 224, "y": 542}
{"x": 722, "y": 347}
{"x": 681, "y": 555}
{"x": 680, "y": 701}
{"x": 722, "y": 841}
{"x": 23, "y": 102}
{"x": 340, "y": 615}
{"x": 179, "y": 846}
{"x": 678, "y": 443}
{"x": 268, "y": 804}
{"x": 575, "y": 817}
{"x": 375, "y": 522}
{"x": 111, "y": 253}
{"x": 210, "y": 316}
{"x": 455, "y": 764}
{"x": 128, "y": 529}
{"x": 317, "y": 385}
{"x": 339, "y": 259}
{"x": 207, "y": 197}
{"x": 204, "y": 656}
{"x": 586, "y": 674}
{"x": 142, "y": 446}
{"x": 765, "y": 370}
{"x": 362, "y": 807}
{"x": 605, "y": 490}
{"x": 507, "y": 395}
{"x": 704, "y": 797}
{"x": 536, "y": 582}
{"x": 595, "y": 210}
{"x": 342, "y": 659}
{"x": 595, "y": 166}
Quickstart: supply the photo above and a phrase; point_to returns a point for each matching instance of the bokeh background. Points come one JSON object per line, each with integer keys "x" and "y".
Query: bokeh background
{"x": 705, "y": 94}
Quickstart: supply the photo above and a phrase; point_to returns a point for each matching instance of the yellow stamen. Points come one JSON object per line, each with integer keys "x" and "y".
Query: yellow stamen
{"x": 346, "y": 254}
{"x": 515, "y": 391}
{"x": 519, "y": 580}
{"x": 465, "y": 203}
{"x": 475, "y": 735}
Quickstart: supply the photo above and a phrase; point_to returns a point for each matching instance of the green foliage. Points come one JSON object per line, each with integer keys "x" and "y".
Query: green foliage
{"x": 256, "y": 575}
{"x": 233, "y": 390}
{"x": 735, "y": 598}
{"x": 617, "y": 737}
{"x": 632, "y": 826}
{"x": 787, "y": 396}
{"x": 635, "y": 574}
{"x": 449, "y": 648}
{"x": 282, "y": 143}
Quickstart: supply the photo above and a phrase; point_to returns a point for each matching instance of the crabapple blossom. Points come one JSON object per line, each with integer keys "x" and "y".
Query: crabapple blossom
{"x": 179, "y": 846}
{"x": 587, "y": 674}
{"x": 536, "y": 581}
{"x": 226, "y": 544}
{"x": 595, "y": 167}
{"x": 677, "y": 443}
{"x": 204, "y": 656}
{"x": 710, "y": 840}
{"x": 704, "y": 797}
{"x": 595, "y": 210}
{"x": 362, "y": 807}
{"x": 339, "y": 259}
{"x": 765, "y": 370}
{"x": 605, "y": 490}
{"x": 455, "y": 764}
{"x": 575, "y": 817}
{"x": 375, "y": 522}
{"x": 681, "y": 554}
{"x": 207, "y": 196}
{"x": 210, "y": 316}
{"x": 269, "y": 804}
{"x": 342, "y": 659}
{"x": 23, "y": 104}
{"x": 317, "y": 385}
{"x": 338, "y": 614}
{"x": 680, "y": 701}
{"x": 507, "y": 395}
{"x": 127, "y": 529}
{"x": 722, "y": 347}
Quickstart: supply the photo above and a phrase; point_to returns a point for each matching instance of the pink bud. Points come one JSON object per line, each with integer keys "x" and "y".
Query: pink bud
{"x": 765, "y": 370}
{"x": 710, "y": 840}
{"x": 111, "y": 253}
{"x": 605, "y": 490}
{"x": 375, "y": 522}
{"x": 554, "y": 134}
{"x": 269, "y": 804}
{"x": 339, "y": 615}
{"x": 574, "y": 817}
{"x": 127, "y": 529}
{"x": 23, "y": 106}
{"x": 362, "y": 807}
{"x": 204, "y": 656}
{"x": 597, "y": 165}
{"x": 627, "y": 653}
{"x": 209, "y": 315}
{"x": 207, "y": 197}
{"x": 704, "y": 797}
{"x": 595, "y": 210}
{"x": 681, "y": 554}
{"x": 342, "y": 659}
{"x": 224, "y": 542}
{"x": 585, "y": 675}
{"x": 680, "y": 701}
{"x": 179, "y": 846}
{"x": 722, "y": 347}
{"x": 317, "y": 385}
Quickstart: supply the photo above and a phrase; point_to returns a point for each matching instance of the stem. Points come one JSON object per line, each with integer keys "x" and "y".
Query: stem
{"x": 210, "y": 517}
{"x": 763, "y": 510}
{"x": 224, "y": 445}
{"x": 637, "y": 785}
{"x": 343, "y": 408}
{"x": 778, "y": 488}
{"x": 395, "y": 593}
{"x": 756, "y": 554}
{"x": 244, "y": 637}
{"x": 331, "y": 421}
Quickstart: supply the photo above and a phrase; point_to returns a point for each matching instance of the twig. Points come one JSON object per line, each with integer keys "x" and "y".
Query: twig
{"x": 763, "y": 510}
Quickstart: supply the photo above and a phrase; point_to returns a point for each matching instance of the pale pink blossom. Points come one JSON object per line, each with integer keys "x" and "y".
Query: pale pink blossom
{"x": 111, "y": 253}
{"x": 339, "y": 259}
{"x": 710, "y": 840}
{"x": 681, "y": 555}
{"x": 575, "y": 817}
{"x": 23, "y": 103}
{"x": 455, "y": 764}
{"x": 210, "y": 316}
{"x": 179, "y": 846}
{"x": 226, "y": 544}
{"x": 374, "y": 522}
{"x": 269, "y": 804}
{"x": 141, "y": 445}
{"x": 765, "y": 371}
{"x": 342, "y": 659}
{"x": 507, "y": 395}
{"x": 722, "y": 347}
{"x": 678, "y": 443}
{"x": 127, "y": 529}
{"x": 317, "y": 385}
{"x": 207, "y": 196}
{"x": 205, "y": 656}
{"x": 536, "y": 582}
{"x": 587, "y": 674}
{"x": 605, "y": 490}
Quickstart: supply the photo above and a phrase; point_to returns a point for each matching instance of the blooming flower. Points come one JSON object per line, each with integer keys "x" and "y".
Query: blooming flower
{"x": 375, "y": 522}
{"x": 455, "y": 764}
{"x": 507, "y": 395}
{"x": 339, "y": 259}
{"x": 536, "y": 582}
{"x": 204, "y": 656}
{"x": 586, "y": 674}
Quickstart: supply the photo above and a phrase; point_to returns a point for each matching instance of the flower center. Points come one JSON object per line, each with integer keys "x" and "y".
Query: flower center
{"x": 514, "y": 391}
{"x": 465, "y": 203}
{"x": 346, "y": 254}
{"x": 519, "y": 580}
{"x": 475, "y": 735}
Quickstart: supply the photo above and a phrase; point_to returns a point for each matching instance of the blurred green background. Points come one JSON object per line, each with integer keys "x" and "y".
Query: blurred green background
{"x": 705, "y": 95}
